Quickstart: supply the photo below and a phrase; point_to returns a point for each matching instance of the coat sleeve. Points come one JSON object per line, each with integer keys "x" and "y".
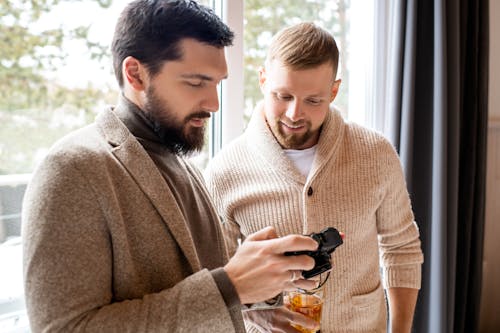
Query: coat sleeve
{"x": 68, "y": 267}
{"x": 399, "y": 243}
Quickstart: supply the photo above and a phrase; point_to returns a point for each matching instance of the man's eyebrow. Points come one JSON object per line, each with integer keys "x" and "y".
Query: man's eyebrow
{"x": 280, "y": 90}
{"x": 200, "y": 77}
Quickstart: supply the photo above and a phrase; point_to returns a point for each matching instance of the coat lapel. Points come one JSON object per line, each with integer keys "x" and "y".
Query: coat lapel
{"x": 136, "y": 160}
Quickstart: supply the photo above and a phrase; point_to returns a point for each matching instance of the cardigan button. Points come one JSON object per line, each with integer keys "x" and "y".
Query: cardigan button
{"x": 310, "y": 191}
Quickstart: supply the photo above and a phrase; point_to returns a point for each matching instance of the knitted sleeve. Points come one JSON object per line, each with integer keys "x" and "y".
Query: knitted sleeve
{"x": 400, "y": 252}
{"x": 219, "y": 188}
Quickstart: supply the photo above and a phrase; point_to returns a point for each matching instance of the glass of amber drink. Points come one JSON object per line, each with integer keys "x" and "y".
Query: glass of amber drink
{"x": 307, "y": 302}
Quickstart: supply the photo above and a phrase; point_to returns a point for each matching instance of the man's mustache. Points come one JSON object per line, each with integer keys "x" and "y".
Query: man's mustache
{"x": 201, "y": 115}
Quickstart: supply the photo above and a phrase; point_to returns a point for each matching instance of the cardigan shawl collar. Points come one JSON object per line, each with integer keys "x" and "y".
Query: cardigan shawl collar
{"x": 262, "y": 142}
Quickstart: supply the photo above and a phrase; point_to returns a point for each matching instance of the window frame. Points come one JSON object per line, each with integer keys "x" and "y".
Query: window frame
{"x": 228, "y": 123}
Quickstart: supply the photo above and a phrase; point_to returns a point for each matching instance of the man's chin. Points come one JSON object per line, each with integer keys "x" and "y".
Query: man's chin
{"x": 195, "y": 140}
{"x": 292, "y": 142}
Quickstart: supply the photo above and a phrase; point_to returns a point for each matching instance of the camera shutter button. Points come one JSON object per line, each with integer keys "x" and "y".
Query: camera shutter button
{"x": 310, "y": 191}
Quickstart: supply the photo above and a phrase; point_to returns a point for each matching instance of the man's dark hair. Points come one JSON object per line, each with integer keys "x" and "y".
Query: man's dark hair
{"x": 150, "y": 31}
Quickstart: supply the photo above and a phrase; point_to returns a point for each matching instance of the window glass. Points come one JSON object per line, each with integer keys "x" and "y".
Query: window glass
{"x": 55, "y": 76}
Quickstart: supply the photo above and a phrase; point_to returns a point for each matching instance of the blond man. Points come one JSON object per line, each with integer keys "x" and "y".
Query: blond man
{"x": 300, "y": 168}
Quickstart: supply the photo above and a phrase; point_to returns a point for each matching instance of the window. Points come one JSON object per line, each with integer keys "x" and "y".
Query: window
{"x": 44, "y": 95}
{"x": 56, "y": 75}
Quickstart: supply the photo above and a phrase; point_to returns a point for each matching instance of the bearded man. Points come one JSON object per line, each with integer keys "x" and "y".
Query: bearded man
{"x": 119, "y": 232}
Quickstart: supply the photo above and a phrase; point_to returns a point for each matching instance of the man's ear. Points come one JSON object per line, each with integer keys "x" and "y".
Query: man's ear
{"x": 133, "y": 73}
{"x": 335, "y": 89}
{"x": 262, "y": 78}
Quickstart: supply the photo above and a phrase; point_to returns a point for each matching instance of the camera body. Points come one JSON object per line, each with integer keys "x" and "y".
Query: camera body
{"x": 328, "y": 239}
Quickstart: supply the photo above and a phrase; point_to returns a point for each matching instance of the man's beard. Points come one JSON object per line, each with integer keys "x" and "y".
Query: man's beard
{"x": 290, "y": 141}
{"x": 178, "y": 137}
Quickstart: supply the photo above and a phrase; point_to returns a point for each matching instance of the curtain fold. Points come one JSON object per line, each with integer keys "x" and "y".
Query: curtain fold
{"x": 436, "y": 117}
{"x": 473, "y": 138}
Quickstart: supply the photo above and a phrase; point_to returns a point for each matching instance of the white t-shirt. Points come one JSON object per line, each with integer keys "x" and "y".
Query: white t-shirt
{"x": 302, "y": 159}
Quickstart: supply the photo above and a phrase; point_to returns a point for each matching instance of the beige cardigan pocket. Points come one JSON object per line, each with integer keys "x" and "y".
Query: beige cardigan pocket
{"x": 371, "y": 298}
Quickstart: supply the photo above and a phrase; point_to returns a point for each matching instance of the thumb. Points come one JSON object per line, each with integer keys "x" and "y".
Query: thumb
{"x": 263, "y": 234}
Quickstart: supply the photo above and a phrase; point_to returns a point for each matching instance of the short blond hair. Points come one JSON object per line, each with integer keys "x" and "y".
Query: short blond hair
{"x": 303, "y": 46}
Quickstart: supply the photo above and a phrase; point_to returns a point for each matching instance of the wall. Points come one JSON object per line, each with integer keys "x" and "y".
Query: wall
{"x": 490, "y": 296}
{"x": 494, "y": 89}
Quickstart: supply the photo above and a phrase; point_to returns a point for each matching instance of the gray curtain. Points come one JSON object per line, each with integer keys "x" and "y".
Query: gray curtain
{"x": 436, "y": 117}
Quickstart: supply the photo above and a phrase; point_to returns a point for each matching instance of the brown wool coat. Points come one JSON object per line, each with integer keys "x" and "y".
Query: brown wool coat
{"x": 106, "y": 248}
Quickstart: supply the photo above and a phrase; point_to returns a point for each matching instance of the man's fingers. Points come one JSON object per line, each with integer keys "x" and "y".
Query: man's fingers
{"x": 302, "y": 284}
{"x": 284, "y": 244}
{"x": 304, "y": 321}
{"x": 299, "y": 263}
{"x": 263, "y": 234}
{"x": 294, "y": 243}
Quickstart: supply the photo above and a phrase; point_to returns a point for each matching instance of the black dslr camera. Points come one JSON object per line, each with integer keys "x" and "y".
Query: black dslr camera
{"x": 328, "y": 240}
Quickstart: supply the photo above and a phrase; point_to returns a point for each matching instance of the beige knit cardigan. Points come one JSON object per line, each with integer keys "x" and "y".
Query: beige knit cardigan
{"x": 356, "y": 185}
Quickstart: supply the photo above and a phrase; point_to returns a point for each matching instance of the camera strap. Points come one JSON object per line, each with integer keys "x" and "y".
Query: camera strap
{"x": 321, "y": 284}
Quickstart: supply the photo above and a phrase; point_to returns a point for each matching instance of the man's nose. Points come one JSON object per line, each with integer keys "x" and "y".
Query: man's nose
{"x": 211, "y": 102}
{"x": 293, "y": 111}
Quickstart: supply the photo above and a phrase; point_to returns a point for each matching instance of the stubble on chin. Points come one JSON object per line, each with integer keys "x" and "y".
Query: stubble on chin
{"x": 288, "y": 141}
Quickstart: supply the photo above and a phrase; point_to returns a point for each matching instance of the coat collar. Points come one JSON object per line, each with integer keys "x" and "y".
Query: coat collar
{"x": 128, "y": 150}
{"x": 262, "y": 142}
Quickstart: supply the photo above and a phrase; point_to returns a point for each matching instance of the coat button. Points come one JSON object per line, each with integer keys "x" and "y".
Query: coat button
{"x": 310, "y": 191}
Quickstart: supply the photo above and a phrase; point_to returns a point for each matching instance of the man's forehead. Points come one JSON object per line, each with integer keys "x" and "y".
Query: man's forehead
{"x": 199, "y": 60}
{"x": 282, "y": 66}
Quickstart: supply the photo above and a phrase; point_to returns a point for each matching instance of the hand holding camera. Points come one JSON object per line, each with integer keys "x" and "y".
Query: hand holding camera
{"x": 328, "y": 239}
{"x": 259, "y": 270}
